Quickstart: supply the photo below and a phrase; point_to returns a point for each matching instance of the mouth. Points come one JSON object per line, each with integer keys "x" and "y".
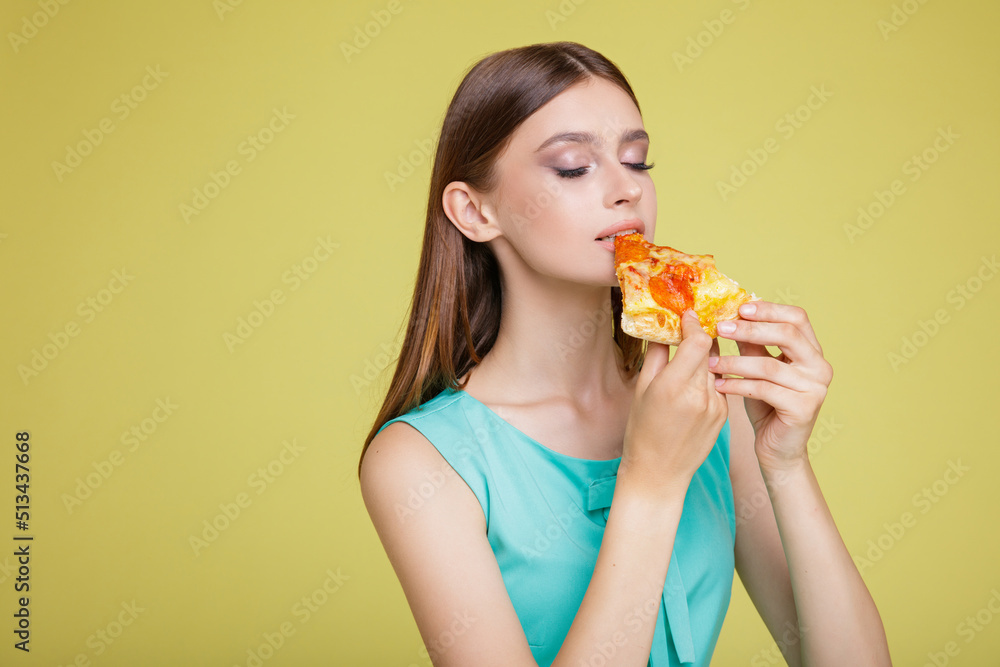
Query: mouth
{"x": 620, "y": 228}
{"x": 624, "y": 232}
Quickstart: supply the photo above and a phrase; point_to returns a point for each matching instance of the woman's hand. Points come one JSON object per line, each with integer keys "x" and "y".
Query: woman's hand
{"x": 782, "y": 394}
{"x": 676, "y": 413}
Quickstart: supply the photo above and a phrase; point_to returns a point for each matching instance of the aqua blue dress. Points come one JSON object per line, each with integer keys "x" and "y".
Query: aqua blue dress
{"x": 545, "y": 517}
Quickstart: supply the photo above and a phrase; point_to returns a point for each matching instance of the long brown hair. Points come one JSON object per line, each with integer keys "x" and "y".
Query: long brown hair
{"x": 455, "y": 313}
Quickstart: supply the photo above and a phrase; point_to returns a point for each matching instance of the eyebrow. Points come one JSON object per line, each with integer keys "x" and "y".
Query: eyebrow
{"x": 628, "y": 136}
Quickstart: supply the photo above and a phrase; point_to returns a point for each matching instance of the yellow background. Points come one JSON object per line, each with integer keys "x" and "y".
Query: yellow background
{"x": 301, "y": 375}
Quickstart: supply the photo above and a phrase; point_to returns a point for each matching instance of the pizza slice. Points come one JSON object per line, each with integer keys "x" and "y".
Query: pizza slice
{"x": 659, "y": 283}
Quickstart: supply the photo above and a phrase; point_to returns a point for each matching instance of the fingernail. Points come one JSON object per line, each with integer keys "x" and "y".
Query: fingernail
{"x": 727, "y": 327}
{"x": 748, "y": 309}
{"x": 712, "y": 361}
{"x": 719, "y": 381}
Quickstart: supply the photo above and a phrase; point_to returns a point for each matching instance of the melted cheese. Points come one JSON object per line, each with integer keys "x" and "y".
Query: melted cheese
{"x": 677, "y": 279}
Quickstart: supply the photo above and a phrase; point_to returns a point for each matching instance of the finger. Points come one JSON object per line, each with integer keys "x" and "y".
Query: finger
{"x": 783, "y": 335}
{"x": 782, "y": 312}
{"x": 656, "y": 359}
{"x": 713, "y": 353}
{"x": 782, "y": 399}
{"x": 764, "y": 368}
{"x": 789, "y": 405}
{"x": 692, "y": 352}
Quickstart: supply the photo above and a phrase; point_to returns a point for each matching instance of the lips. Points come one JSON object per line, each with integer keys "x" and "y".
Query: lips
{"x": 632, "y": 224}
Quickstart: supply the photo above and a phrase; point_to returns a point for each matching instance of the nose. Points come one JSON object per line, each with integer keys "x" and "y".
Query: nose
{"x": 624, "y": 188}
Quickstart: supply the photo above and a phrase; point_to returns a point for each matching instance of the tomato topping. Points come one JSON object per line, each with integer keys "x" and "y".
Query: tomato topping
{"x": 672, "y": 288}
{"x": 629, "y": 250}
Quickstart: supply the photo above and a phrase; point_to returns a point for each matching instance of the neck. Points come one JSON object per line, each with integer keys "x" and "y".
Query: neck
{"x": 555, "y": 338}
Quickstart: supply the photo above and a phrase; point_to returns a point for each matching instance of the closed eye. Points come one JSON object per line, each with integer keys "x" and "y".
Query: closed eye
{"x": 572, "y": 173}
{"x": 580, "y": 171}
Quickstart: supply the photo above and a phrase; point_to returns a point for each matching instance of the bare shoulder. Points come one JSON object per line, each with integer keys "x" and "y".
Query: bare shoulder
{"x": 440, "y": 552}
{"x": 400, "y": 457}
{"x": 399, "y": 464}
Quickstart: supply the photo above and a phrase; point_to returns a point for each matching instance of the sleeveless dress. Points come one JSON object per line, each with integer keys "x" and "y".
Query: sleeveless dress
{"x": 546, "y": 513}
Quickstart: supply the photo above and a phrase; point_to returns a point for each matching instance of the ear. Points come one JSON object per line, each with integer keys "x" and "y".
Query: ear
{"x": 469, "y": 211}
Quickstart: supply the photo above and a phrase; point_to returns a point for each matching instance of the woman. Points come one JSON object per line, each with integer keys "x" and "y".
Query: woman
{"x": 615, "y": 541}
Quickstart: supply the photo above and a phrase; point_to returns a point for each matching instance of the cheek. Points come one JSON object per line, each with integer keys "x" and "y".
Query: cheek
{"x": 538, "y": 208}
{"x": 647, "y": 209}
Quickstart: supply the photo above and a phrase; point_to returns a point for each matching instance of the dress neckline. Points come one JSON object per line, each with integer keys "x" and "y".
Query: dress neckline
{"x": 527, "y": 437}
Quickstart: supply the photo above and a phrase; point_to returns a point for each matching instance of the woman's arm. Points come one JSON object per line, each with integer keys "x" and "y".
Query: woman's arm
{"x": 441, "y": 554}
{"x": 838, "y": 622}
{"x": 619, "y": 610}
{"x": 454, "y": 587}
{"x": 764, "y": 550}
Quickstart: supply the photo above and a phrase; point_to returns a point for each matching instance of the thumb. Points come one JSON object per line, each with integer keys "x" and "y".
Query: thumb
{"x": 656, "y": 359}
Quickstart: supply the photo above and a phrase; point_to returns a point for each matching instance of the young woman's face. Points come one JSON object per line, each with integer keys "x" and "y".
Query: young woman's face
{"x": 574, "y": 172}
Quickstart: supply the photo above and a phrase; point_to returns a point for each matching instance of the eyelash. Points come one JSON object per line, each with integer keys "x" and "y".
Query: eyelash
{"x": 580, "y": 171}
